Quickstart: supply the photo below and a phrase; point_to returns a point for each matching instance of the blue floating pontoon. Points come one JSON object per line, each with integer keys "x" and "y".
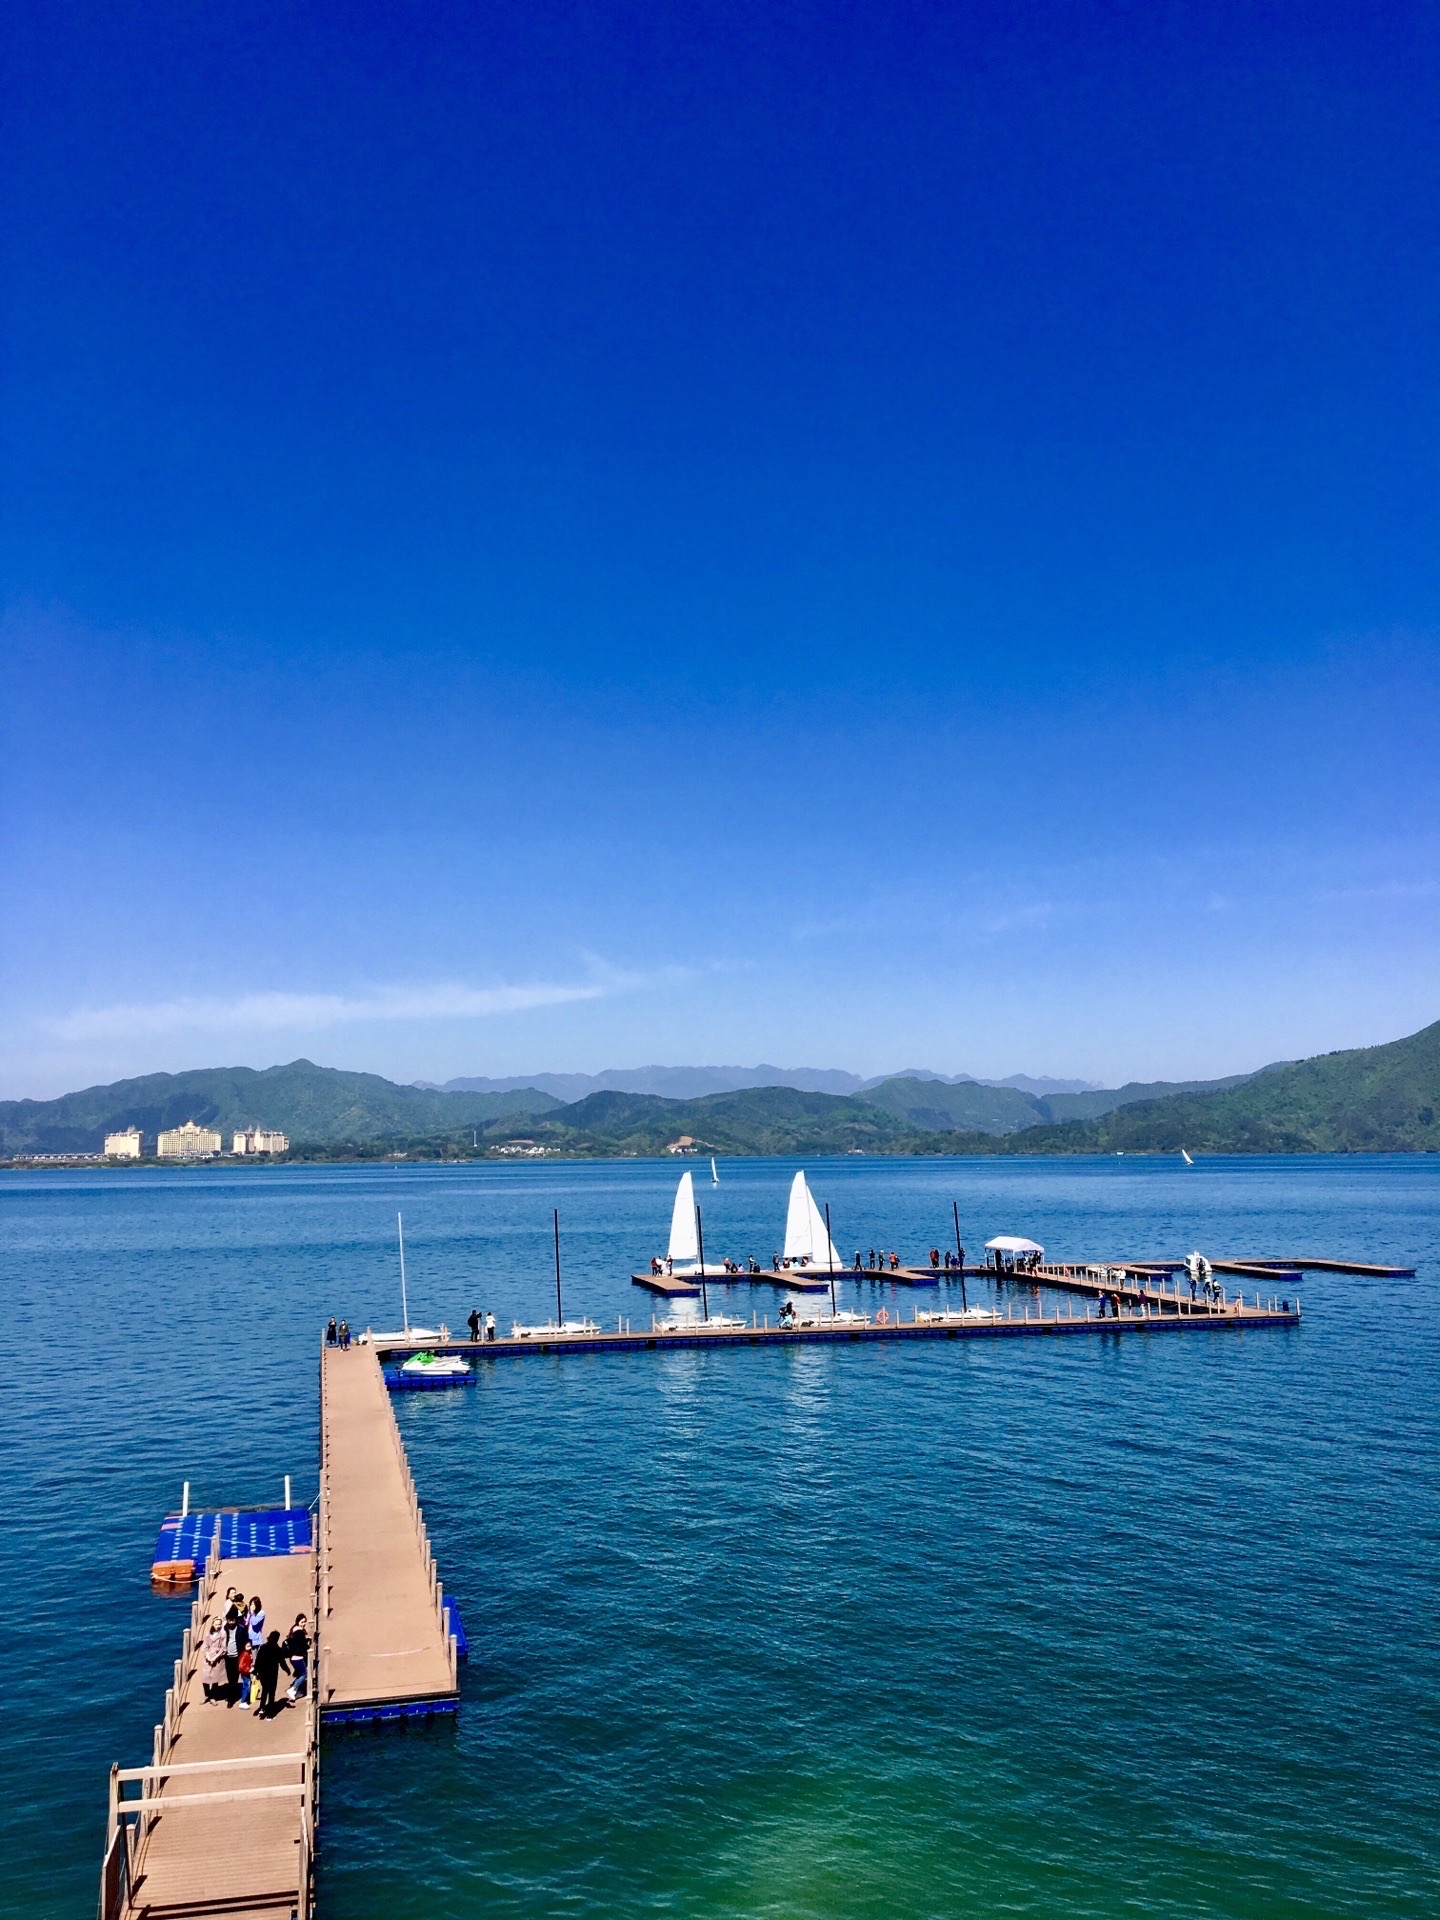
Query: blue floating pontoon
{"x": 257, "y": 1534}
{"x": 452, "y": 1621}
{"x": 398, "y": 1381}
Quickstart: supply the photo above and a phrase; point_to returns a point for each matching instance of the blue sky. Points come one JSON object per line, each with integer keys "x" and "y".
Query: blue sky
{"x": 572, "y": 536}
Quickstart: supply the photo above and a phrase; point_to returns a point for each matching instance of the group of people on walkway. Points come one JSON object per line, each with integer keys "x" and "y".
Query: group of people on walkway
{"x": 241, "y": 1659}
{"x": 876, "y": 1262}
{"x": 337, "y": 1336}
{"x": 477, "y": 1326}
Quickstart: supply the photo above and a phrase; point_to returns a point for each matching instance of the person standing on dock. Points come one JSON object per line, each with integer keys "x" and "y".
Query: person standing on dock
{"x": 256, "y": 1632}
{"x": 237, "y": 1639}
{"x": 344, "y": 1336}
{"x": 489, "y": 1326}
{"x": 297, "y": 1651}
{"x": 474, "y": 1324}
{"x": 214, "y": 1669}
{"x": 270, "y": 1657}
{"x": 332, "y": 1332}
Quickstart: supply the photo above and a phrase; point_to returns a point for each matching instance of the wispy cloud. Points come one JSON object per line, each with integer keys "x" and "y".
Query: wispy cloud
{"x": 306, "y": 1012}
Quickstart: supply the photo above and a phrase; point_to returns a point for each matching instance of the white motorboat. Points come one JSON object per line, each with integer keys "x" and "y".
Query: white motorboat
{"x": 553, "y": 1330}
{"x": 717, "y": 1323}
{"x": 952, "y": 1316}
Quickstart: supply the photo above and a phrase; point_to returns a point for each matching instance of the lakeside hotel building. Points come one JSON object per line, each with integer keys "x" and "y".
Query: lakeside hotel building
{"x": 188, "y": 1143}
{"x": 260, "y": 1140}
{"x": 123, "y": 1146}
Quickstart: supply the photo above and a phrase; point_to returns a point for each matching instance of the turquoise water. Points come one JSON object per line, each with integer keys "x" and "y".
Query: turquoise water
{"x": 1114, "y": 1627}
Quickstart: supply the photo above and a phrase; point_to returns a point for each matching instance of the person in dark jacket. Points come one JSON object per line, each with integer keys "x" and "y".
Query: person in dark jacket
{"x": 474, "y": 1324}
{"x": 297, "y": 1650}
{"x": 269, "y": 1659}
{"x": 237, "y": 1638}
{"x": 332, "y": 1332}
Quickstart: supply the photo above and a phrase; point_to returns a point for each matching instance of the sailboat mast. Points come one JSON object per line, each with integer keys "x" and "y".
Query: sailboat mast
{"x": 404, "y": 1296}
{"x": 960, "y": 1251}
{"x": 700, "y": 1242}
{"x": 559, "y": 1309}
{"x": 830, "y": 1249}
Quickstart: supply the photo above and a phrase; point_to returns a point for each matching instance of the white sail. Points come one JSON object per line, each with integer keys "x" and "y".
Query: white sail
{"x": 683, "y": 1242}
{"x": 714, "y": 1176}
{"x": 805, "y": 1235}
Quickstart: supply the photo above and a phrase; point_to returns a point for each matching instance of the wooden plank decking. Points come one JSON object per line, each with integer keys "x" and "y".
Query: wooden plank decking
{"x": 246, "y": 1859}
{"x": 384, "y": 1640}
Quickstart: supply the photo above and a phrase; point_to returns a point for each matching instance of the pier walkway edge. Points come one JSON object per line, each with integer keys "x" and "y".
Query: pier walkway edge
{"x": 382, "y": 1649}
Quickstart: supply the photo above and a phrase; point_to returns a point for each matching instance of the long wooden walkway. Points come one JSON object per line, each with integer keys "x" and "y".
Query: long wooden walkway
{"x": 384, "y": 1639}
{"x": 226, "y": 1809}
{"x": 1003, "y": 1323}
{"x": 223, "y": 1822}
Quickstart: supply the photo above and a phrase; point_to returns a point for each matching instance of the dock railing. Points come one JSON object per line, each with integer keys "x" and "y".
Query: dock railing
{"x": 130, "y": 1819}
{"x": 407, "y": 1479}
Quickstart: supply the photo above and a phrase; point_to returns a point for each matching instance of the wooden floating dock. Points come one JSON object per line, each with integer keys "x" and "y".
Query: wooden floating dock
{"x": 684, "y": 1286}
{"x": 385, "y": 1642}
{"x": 1142, "y": 1316}
{"x": 1305, "y": 1264}
{"x": 225, "y": 1818}
{"x": 224, "y": 1821}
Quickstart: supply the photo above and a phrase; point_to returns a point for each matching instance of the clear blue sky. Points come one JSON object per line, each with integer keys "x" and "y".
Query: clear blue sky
{"x": 557, "y": 536}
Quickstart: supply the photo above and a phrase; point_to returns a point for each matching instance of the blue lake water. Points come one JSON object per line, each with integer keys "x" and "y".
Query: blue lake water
{"x": 1118, "y": 1626}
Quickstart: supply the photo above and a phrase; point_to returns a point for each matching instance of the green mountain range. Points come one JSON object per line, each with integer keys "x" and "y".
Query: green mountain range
{"x": 1367, "y": 1100}
{"x": 1371, "y": 1099}
{"x": 315, "y": 1106}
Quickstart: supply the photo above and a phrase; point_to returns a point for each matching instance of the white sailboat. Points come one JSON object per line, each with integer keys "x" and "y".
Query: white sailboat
{"x": 683, "y": 1253}
{"x": 1186, "y": 1158}
{"x": 408, "y": 1335}
{"x": 714, "y": 1176}
{"x": 806, "y": 1241}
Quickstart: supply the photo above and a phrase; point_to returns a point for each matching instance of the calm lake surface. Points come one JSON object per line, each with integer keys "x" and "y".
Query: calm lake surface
{"x": 1117, "y": 1626}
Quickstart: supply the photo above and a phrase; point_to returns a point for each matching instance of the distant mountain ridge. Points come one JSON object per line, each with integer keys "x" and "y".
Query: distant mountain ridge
{"x": 315, "y": 1106}
{"x": 693, "y": 1083}
{"x": 1373, "y": 1099}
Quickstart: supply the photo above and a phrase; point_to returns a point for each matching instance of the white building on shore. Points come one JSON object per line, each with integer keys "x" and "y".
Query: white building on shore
{"x": 123, "y": 1146}
{"x": 260, "y": 1140}
{"x": 188, "y": 1143}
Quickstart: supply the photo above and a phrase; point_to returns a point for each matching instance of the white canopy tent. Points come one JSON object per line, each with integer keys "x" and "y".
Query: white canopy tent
{"x": 1012, "y": 1243}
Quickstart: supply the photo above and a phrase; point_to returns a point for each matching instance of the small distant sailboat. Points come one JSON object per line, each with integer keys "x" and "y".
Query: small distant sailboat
{"x": 714, "y": 1176}
{"x": 807, "y": 1243}
{"x": 1186, "y": 1158}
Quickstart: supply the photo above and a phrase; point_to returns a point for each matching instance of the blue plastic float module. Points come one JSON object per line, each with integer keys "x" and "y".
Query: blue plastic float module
{"x": 259, "y": 1534}
{"x": 452, "y": 1621}
{"x": 398, "y": 1381}
{"x": 401, "y": 1710}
